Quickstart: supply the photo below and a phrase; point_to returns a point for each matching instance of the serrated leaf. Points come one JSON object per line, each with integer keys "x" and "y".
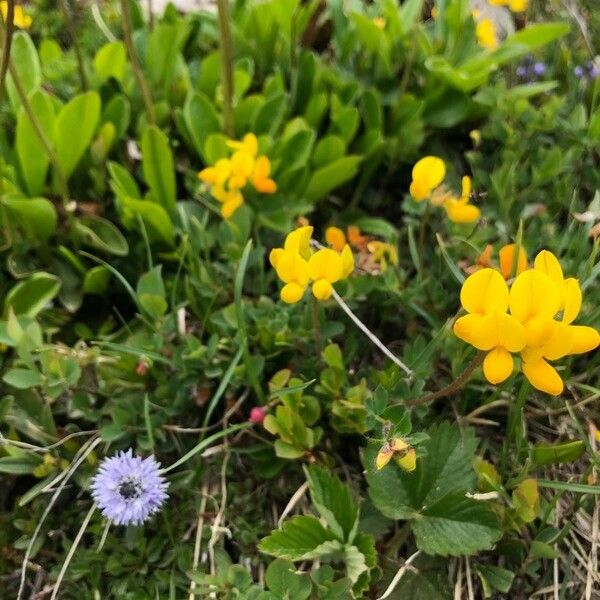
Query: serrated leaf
{"x": 300, "y": 538}
{"x": 283, "y": 580}
{"x": 334, "y": 502}
{"x": 433, "y": 497}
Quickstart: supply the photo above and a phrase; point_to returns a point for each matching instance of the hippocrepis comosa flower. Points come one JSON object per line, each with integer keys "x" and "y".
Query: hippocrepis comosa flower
{"x": 21, "y": 19}
{"x": 427, "y": 178}
{"x": 129, "y": 489}
{"x": 229, "y": 176}
{"x": 533, "y": 317}
{"x": 296, "y": 264}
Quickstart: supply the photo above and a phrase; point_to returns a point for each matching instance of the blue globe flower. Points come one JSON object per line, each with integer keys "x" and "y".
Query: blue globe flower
{"x": 129, "y": 489}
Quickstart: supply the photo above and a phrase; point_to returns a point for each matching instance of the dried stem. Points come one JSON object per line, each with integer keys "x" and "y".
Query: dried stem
{"x": 390, "y": 589}
{"x": 135, "y": 63}
{"x": 226, "y": 65}
{"x": 452, "y": 388}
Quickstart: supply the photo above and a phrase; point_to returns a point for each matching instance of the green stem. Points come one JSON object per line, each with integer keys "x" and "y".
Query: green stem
{"x": 422, "y": 230}
{"x": 39, "y": 131}
{"x": 316, "y": 326}
{"x": 453, "y": 387}
{"x": 75, "y": 41}
{"x": 135, "y": 63}
{"x": 7, "y": 42}
{"x": 226, "y": 65}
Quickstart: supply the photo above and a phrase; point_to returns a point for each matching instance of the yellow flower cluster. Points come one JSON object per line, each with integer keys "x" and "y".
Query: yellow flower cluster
{"x": 228, "y": 176}
{"x": 427, "y": 177}
{"x": 297, "y": 265}
{"x": 485, "y": 31}
{"x": 21, "y": 19}
{"x": 513, "y": 5}
{"x": 533, "y": 317}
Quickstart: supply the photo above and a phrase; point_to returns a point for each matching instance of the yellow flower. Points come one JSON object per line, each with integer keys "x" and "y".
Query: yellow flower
{"x": 405, "y": 455}
{"x": 248, "y": 145}
{"x": 296, "y": 265}
{"x": 20, "y": 19}
{"x": 382, "y": 253}
{"x": 260, "y": 176}
{"x": 408, "y": 461}
{"x": 335, "y": 238}
{"x": 427, "y": 174}
{"x": 379, "y": 22}
{"x": 486, "y": 34}
{"x": 485, "y": 296}
{"x": 231, "y": 200}
{"x": 458, "y": 209}
{"x": 228, "y": 176}
{"x": 514, "y": 5}
{"x": 507, "y": 257}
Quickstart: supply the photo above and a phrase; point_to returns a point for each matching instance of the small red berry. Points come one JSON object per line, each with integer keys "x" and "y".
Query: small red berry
{"x": 257, "y": 415}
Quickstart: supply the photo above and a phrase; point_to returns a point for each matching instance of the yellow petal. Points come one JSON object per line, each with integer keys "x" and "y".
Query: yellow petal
{"x": 470, "y": 329}
{"x": 498, "y": 365}
{"x": 584, "y": 339}
{"x": 325, "y": 264}
{"x": 427, "y": 174}
{"x": 572, "y": 300}
{"x": 299, "y": 241}
{"x": 418, "y": 190}
{"x": 336, "y": 238}
{"x": 560, "y": 343}
{"x": 275, "y": 255}
{"x": 507, "y": 257}
{"x": 291, "y": 267}
{"x": 466, "y": 188}
{"x": 533, "y": 294}
{"x": 384, "y": 456}
{"x": 398, "y": 444}
{"x": 509, "y": 333}
{"x": 543, "y": 376}
{"x": 548, "y": 264}
{"x": 408, "y": 462}
{"x": 292, "y": 293}
{"x": 540, "y": 330}
{"x": 347, "y": 261}
{"x": 232, "y": 203}
{"x": 248, "y": 145}
{"x": 459, "y": 212}
{"x": 484, "y": 291}
{"x": 322, "y": 289}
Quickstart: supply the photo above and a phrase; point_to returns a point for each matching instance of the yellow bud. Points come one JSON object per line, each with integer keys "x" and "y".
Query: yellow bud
{"x": 384, "y": 456}
{"x": 408, "y": 461}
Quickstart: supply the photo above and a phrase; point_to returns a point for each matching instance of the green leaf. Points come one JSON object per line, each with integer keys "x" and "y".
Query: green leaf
{"x": 156, "y": 220}
{"x": 334, "y": 502}
{"x": 433, "y": 497}
{"x": 96, "y": 280}
{"x": 19, "y": 465}
{"x": 151, "y": 293}
{"x": 333, "y": 175}
{"x": 494, "y": 578}
{"x": 201, "y": 120}
{"x": 123, "y": 183}
{"x": 300, "y": 538}
{"x": 269, "y": 117}
{"x": 25, "y": 58}
{"x": 36, "y": 217}
{"x": 102, "y": 234}
{"x": 33, "y": 157}
{"x": 74, "y": 127}
{"x": 282, "y": 579}
{"x": 110, "y": 61}
{"x": 23, "y": 379}
{"x": 328, "y": 149}
{"x": 549, "y": 454}
{"x": 29, "y": 297}
{"x": 159, "y": 168}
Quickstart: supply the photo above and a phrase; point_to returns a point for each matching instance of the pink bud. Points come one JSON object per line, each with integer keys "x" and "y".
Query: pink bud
{"x": 142, "y": 368}
{"x": 257, "y": 415}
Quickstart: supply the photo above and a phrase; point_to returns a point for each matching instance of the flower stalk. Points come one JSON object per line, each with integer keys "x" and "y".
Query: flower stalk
{"x": 226, "y": 65}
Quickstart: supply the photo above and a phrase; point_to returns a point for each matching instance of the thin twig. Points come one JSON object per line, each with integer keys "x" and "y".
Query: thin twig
{"x": 226, "y": 65}
{"x": 370, "y": 334}
{"x": 81, "y": 455}
{"x": 198, "y": 540}
{"x": 71, "y": 552}
{"x": 453, "y": 387}
{"x": 292, "y": 503}
{"x": 135, "y": 63}
{"x": 399, "y": 575}
{"x": 7, "y": 42}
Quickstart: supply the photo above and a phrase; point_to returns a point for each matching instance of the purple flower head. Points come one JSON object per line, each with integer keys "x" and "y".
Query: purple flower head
{"x": 594, "y": 71}
{"x": 521, "y": 71}
{"x": 579, "y": 71}
{"x": 129, "y": 489}
{"x": 539, "y": 68}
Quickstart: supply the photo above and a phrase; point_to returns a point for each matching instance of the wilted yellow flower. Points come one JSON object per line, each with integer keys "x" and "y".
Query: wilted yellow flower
{"x": 296, "y": 265}
{"x": 485, "y": 30}
{"x": 405, "y": 455}
{"x": 507, "y": 258}
{"x": 21, "y": 19}
{"x": 335, "y": 238}
{"x": 382, "y": 253}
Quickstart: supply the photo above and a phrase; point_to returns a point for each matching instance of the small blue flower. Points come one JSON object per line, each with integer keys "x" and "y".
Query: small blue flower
{"x": 129, "y": 489}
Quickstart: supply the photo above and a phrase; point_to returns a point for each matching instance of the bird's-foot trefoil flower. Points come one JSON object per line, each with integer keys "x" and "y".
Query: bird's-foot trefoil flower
{"x": 129, "y": 489}
{"x": 20, "y": 19}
